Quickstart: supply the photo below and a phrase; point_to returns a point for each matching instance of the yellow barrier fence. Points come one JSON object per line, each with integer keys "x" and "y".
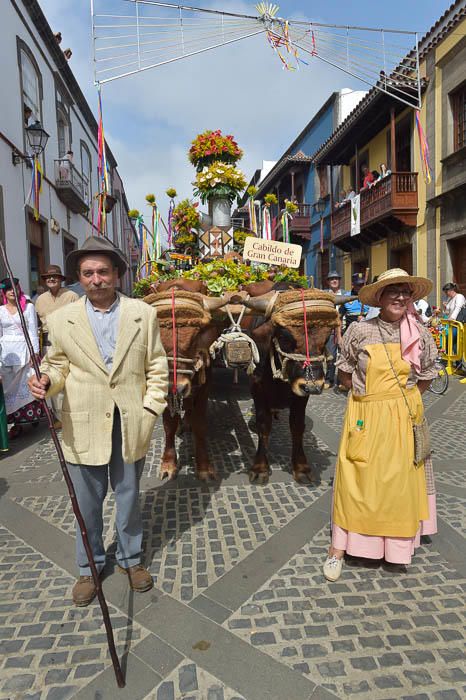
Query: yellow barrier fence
{"x": 452, "y": 343}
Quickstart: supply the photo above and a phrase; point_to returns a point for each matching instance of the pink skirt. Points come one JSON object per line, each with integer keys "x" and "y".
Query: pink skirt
{"x": 396, "y": 550}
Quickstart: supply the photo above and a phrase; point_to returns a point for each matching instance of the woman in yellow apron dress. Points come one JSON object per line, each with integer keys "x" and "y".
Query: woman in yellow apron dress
{"x": 381, "y": 501}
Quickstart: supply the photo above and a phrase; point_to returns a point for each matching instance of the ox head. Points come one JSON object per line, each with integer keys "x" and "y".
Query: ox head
{"x": 297, "y": 339}
{"x": 186, "y": 342}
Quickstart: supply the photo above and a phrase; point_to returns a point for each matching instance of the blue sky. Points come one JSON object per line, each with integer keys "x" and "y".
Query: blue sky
{"x": 151, "y": 118}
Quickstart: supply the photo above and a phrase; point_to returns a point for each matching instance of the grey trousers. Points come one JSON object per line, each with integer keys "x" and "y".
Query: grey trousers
{"x": 91, "y": 484}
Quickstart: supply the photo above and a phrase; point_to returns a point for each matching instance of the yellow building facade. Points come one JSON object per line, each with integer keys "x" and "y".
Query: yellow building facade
{"x": 410, "y": 218}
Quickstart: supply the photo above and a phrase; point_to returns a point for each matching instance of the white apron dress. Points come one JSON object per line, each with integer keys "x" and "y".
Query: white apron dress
{"x": 15, "y": 369}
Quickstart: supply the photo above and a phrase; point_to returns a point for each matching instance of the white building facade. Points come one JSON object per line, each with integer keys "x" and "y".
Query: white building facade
{"x": 37, "y": 84}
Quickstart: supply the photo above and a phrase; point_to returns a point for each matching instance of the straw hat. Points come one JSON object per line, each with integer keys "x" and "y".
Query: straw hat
{"x": 370, "y": 294}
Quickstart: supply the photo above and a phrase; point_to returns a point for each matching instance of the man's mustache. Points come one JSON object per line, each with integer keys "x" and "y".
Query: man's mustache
{"x": 104, "y": 285}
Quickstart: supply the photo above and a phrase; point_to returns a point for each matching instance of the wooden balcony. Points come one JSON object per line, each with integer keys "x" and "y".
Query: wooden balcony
{"x": 387, "y": 205}
{"x": 72, "y": 187}
{"x": 299, "y": 225}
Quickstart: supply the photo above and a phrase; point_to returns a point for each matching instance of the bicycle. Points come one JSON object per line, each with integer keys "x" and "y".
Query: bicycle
{"x": 439, "y": 385}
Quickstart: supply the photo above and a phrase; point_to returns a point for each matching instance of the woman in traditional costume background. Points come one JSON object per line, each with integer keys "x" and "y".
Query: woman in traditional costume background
{"x": 15, "y": 360}
{"x": 382, "y": 501}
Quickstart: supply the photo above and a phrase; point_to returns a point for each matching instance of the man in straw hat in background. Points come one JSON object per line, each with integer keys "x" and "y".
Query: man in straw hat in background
{"x": 384, "y": 501}
{"x": 54, "y": 298}
{"x": 107, "y": 357}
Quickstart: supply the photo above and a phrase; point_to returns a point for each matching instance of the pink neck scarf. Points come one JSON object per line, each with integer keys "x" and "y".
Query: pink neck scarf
{"x": 410, "y": 338}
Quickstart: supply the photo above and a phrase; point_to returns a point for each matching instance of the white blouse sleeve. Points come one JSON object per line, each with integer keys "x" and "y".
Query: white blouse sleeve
{"x": 31, "y": 321}
{"x": 458, "y": 303}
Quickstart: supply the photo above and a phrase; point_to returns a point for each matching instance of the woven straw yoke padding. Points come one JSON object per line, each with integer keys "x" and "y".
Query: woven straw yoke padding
{"x": 320, "y": 308}
{"x": 189, "y": 308}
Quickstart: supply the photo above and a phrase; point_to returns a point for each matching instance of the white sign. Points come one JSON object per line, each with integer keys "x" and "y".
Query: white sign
{"x": 272, "y": 252}
{"x": 356, "y": 215}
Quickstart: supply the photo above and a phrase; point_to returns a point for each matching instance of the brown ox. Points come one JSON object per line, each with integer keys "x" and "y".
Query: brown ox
{"x": 189, "y": 387}
{"x": 284, "y": 379}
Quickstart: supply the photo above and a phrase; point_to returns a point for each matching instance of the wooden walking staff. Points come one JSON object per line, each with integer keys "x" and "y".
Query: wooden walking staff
{"x": 100, "y": 594}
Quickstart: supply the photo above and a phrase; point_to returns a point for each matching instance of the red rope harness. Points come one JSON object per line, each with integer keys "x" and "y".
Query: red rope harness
{"x": 174, "y": 341}
{"x": 307, "y": 361}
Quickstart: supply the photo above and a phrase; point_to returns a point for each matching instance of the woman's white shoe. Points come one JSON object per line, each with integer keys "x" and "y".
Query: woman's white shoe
{"x": 332, "y": 568}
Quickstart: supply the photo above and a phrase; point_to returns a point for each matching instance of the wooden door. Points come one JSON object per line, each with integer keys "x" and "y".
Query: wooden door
{"x": 458, "y": 259}
{"x": 403, "y": 144}
{"x": 36, "y": 252}
{"x": 402, "y": 257}
{"x": 37, "y": 266}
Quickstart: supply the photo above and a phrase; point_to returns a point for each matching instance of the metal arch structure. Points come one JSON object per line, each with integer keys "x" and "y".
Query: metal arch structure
{"x": 131, "y": 36}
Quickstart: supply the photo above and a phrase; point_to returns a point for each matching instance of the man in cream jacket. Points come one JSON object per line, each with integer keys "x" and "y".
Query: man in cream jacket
{"x": 107, "y": 357}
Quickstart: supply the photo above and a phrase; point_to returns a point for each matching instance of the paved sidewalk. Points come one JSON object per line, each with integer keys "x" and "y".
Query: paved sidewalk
{"x": 240, "y": 609}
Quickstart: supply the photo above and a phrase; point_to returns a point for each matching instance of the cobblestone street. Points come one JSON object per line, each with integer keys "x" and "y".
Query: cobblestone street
{"x": 240, "y": 608}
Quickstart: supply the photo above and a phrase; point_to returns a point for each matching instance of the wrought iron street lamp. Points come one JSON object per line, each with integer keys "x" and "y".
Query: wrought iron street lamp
{"x": 37, "y": 139}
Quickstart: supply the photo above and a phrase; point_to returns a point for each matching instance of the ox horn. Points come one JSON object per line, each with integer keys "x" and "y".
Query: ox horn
{"x": 341, "y": 299}
{"x": 260, "y": 304}
{"x": 213, "y": 303}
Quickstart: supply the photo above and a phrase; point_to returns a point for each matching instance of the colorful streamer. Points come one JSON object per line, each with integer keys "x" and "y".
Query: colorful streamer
{"x": 266, "y": 223}
{"x": 170, "y": 215}
{"x": 278, "y": 34}
{"x": 252, "y": 215}
{"x": 36, "y": 186}
{"x": 102, "y": 171}
{"x": 285, "y": 221}
{"x": 156, "y": 243}
{"x": 424, "y": 149}
{"x": 276, "y": 40}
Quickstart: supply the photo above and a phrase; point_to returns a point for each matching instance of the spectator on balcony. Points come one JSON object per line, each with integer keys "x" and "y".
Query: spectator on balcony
{"x": 64, "y": 166}
{"x": 27, "y": 115}
{"x": 368, "y": 177}
{"x": 384, "y": 171}
{"x": 350, "y": 194}
{"x": 342, "y": 200}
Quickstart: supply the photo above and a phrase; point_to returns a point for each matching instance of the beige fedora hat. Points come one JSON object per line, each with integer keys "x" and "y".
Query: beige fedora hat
{"x": 370, "y": 294}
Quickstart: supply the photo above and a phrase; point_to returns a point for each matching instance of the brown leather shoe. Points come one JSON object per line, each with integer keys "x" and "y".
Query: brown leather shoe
{"x": 84, "y": 591}
{"x": 139, "y": 578}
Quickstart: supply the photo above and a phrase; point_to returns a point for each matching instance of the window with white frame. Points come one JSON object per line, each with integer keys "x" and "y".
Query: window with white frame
{"x": 63, "y": 129}
{"x": 31, "y": 90}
